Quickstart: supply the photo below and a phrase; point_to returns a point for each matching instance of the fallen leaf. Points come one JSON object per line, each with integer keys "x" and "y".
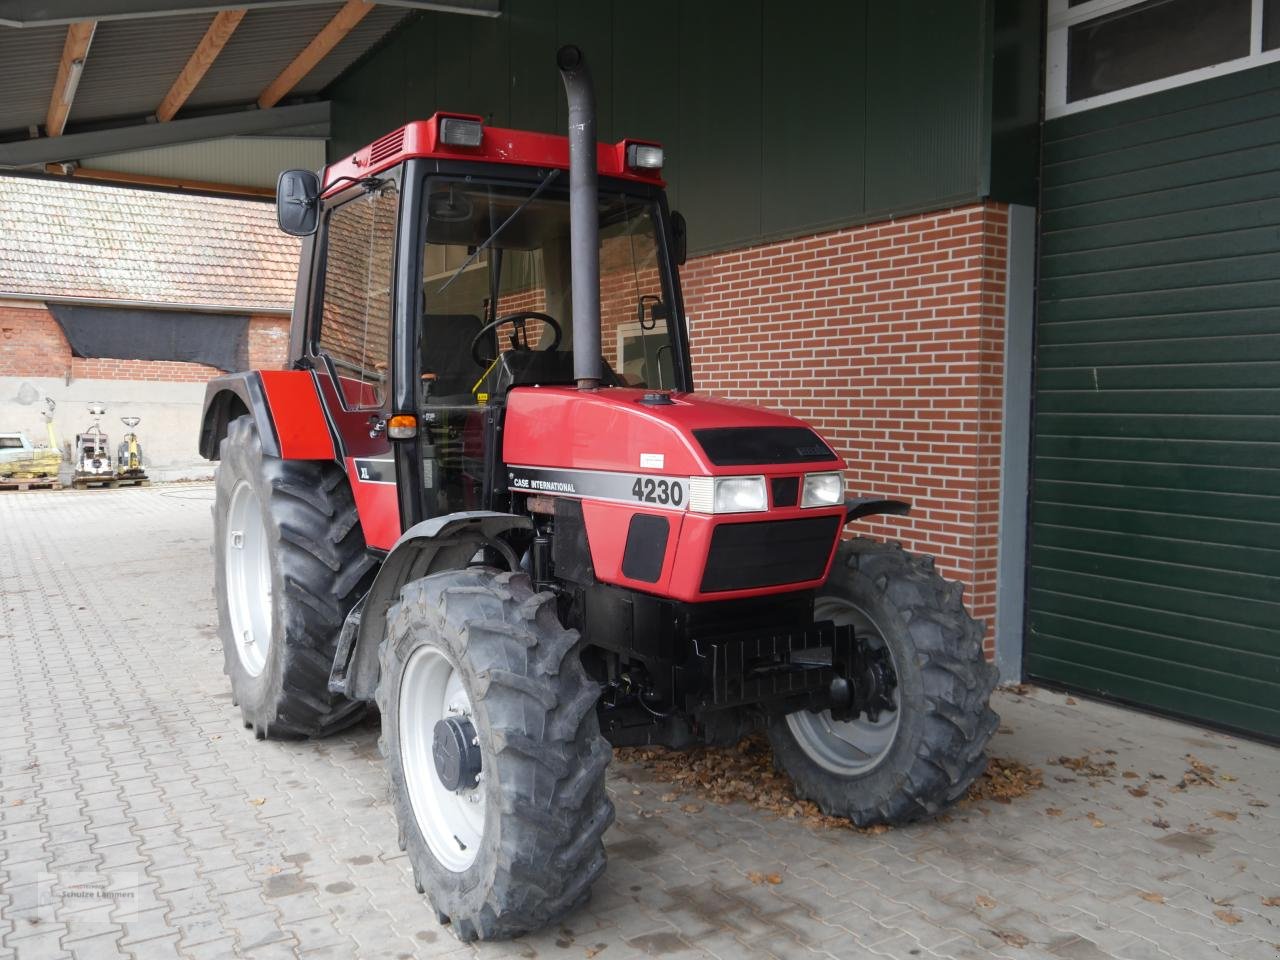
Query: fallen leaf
{"x": 272, "y": 870}
{"x": 1052, "y": 812}
{"x": 1271, "y": 901}
{"x": 1152, "y": 897}
{"x": 668, "y": 797}
{"x": 1227, "y": 777}
{"x": 1137, "y": 791}
{"x": 985, "y": 902}
{"x": 1004, "y": 781}
{"x": 755, "y": 877}
{"x": 1011, "y": 938}
{"x": 1071, "y": 701}
{"x": 1130, "y": 775}
{"x": 592, "y": 951}
{"x": 17, "y": 803}
{"x": 691, "y": 807}
{"x": 1200, "y": 774}
{"x": 1093, "y": 820}
{"x": 1224, "y": 814}
{"x": 1021, "y": 689}
{"x": 1228, "y": 917}
{"x": 1087, "y": 766}
{"x": 258, "y": 801}
{"x": 774, "y": 878}
{"x": 1258, "y": 803}
{"x": 1160, "y": 824}
{"x": 1151, "y": 775}
{"x": 1222, "y": 901}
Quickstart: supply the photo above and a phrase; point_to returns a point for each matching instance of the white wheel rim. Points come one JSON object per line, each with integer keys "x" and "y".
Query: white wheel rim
{"x": 847, "y": 748}
{"x": 451, "y": 822}
{"x": 248, "y": 574}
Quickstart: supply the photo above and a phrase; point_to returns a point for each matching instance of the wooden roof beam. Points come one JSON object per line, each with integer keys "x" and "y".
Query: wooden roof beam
{"x": 206, "y": 51}
{"x": 352, "y": 12}
{"x": 74, "y": 51}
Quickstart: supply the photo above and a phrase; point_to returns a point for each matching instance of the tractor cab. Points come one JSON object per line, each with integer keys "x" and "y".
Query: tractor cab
{"x": 443, "y": 281}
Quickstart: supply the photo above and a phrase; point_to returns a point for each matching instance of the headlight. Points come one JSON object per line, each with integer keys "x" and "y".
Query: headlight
{"x": 727, "y": 494}
{"x": 822, "y": 490}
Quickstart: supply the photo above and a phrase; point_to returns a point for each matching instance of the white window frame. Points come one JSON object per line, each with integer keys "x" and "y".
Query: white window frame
{"x": 1062, "y": 18}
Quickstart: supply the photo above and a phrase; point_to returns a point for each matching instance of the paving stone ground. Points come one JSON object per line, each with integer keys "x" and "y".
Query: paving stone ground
{"x": 139, "y": 819}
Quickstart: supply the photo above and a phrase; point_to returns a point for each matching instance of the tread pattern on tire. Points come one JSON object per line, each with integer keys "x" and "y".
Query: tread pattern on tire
{"x": 542, "y": 728}
{"x": 324, "y": 568}
{"x": 957, "y": 679}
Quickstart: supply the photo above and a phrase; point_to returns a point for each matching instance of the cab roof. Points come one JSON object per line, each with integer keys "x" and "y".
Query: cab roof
{"x": 421, "y": 138}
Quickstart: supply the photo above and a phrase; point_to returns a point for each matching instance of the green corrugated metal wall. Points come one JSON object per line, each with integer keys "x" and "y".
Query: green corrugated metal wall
{"x": 1155, "y": 550}
{"x": 777, "y": 120}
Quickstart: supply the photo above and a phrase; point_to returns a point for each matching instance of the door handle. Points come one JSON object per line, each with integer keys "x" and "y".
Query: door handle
{"x": 377, "y": 424}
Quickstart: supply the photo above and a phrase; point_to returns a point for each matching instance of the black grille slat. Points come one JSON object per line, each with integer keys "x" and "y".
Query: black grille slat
{"x": 744, "y": 556}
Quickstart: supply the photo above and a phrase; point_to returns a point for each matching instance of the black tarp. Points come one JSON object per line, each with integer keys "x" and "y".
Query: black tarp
{"x": 216, "y": 340}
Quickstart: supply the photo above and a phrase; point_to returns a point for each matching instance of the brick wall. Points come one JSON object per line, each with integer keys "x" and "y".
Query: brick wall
{"x": 889, "y": 339}
{"x": 32, "y": 345}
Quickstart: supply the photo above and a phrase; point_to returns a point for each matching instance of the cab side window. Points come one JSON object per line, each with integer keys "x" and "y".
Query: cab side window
{"x": 355, "y": 314}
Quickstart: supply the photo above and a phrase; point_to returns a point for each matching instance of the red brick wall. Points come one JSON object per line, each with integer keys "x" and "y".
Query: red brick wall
{"x": 32, "y": 345}
{"x": 889, "y": 339}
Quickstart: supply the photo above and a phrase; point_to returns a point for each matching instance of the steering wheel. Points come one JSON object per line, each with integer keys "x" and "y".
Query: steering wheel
{"x": 519, "y": 333}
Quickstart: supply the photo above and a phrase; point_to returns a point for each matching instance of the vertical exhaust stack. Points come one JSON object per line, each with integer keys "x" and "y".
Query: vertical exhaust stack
{"x": 584, "y": 216}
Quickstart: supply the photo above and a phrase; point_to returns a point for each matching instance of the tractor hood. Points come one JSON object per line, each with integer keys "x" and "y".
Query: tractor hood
{"x": 640, "y": 431}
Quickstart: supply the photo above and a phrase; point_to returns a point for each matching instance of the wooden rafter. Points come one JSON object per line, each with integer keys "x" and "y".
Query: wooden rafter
{"x": 207, "y": 50}
{"x": 352, "y": 12}
{"x": 74, "y": 51}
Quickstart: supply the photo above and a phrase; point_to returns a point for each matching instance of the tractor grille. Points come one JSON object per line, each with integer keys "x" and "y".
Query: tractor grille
{"x": 744, "y": 556}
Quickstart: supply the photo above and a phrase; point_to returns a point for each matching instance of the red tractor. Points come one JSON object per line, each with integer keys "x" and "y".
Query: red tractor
{"x": 484, "y": 497}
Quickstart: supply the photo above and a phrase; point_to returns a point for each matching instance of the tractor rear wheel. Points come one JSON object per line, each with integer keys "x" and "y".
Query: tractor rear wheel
{"x": 912, "y": 760}
{"x": 494, "y": 752}
{"x": 290, "y": 562}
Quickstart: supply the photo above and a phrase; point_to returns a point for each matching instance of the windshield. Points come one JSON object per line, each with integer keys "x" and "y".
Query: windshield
{"x": 495, "y": 250}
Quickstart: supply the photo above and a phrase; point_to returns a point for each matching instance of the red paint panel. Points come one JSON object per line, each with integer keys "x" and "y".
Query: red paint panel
{"x": 497, "y": 145}
{"x": 607, "y": 527}
{"x": 378, "y": 507}
{"x": 609, "y": 429}
{"x": 298, "y": 417}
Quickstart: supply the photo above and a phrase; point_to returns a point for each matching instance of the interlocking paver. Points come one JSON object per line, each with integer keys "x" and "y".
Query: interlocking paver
{"x": 121, "y": 755}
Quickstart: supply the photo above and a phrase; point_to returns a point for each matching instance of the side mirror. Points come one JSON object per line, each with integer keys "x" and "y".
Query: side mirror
{"x": 679, "y": 237}
{"x": 298, "y": 202}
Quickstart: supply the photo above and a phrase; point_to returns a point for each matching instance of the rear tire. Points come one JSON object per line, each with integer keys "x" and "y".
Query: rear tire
{"x": 918, "y": 759}
{"x": 290, "y": 562}
{"x": 522, "y": 848}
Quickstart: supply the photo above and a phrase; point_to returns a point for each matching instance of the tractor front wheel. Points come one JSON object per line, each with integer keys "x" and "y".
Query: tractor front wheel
{"x": 914, "y": 759}
{"x": 494, "y": 752}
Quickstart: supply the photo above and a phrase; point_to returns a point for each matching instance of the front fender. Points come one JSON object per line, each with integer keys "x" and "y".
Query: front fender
{"x": 441, "y": 543}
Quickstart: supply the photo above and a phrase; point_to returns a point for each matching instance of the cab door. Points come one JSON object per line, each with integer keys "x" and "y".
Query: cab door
{"x": 351, "y": 347}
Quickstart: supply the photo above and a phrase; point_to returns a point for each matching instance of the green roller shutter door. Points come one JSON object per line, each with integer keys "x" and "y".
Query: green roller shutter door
{"x": 1155, "y": 544}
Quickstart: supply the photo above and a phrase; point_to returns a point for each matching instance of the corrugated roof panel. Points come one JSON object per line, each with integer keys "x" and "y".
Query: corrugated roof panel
{"x": 248, "y": 161}
{"x": 267, "y": 40}
{"x": 376, "y": 25}
{"x": 28, "y": 68}
{"x": 132, "y": 64}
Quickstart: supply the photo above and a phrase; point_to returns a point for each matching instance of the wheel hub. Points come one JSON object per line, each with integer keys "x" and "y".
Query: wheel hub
{"x": 456, "y": 752}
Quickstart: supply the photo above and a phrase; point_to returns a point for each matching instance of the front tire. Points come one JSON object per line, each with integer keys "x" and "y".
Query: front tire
{"x": 915, "y": 760}
{"x": 521, "y": 847}
{"x": 290, "y": 563}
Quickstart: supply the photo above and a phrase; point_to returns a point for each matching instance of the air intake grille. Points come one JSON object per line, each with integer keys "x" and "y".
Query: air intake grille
{"x": 387, "y": 146}
{"x": 769, "y": 553}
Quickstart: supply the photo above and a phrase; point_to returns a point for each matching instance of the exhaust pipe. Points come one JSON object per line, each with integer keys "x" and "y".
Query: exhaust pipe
{"x": 584, "y": 216}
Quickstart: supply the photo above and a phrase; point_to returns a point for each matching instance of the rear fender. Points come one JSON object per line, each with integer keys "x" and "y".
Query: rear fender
{"x": 441, "y": 543}
{"x": 285, "y": 404}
